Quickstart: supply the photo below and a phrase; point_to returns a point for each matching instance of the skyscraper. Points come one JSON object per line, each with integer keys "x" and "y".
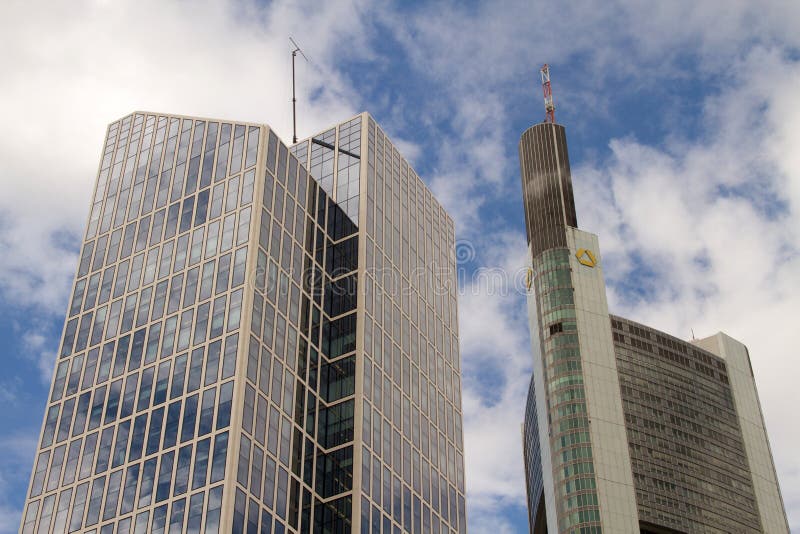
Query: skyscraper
{"x": 253, "y": 348}
{"x": 628, "y": 429}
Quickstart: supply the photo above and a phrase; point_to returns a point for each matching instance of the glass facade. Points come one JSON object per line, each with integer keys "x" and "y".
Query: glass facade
{"x": 215, "y": 371}
{"x": 688, "y": 456}
{"x": 546, "y": 187}
{"x": 409, "y": 443}
{"x": 532, "y": 456}
{"x": 138, "y": 424}
{"x": 570, "y": 443}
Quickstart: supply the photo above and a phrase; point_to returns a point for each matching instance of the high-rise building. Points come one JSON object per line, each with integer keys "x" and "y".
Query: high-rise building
{"x": 628, "y": 429}
{"x": 250, "y": 347}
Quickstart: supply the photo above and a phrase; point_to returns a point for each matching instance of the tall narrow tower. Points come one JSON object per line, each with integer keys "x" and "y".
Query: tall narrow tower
{"x": 585, "y": 466}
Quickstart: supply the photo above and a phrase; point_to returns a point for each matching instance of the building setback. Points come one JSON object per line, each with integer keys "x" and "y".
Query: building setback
{"x": 250, "y": 347}
{"x": 628, "y": 429}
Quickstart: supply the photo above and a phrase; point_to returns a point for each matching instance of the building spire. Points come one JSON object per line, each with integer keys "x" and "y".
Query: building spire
{"x": 549, "y": 107}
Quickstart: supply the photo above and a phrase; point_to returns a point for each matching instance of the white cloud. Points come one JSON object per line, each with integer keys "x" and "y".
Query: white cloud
{"x": 495, "y": 523}
{"x": 35, "y": 347}
{"x": 16, "y": 457}
{"x": 8, "y": 519}
{"x": 495, "y": 352}
{"x": 9, "y": 391}
{"x": 71, "y": 68}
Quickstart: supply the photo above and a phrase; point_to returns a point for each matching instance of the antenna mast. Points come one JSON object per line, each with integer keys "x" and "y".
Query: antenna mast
{"x": 294, "y": 95}
{"x": 549, "y": 107}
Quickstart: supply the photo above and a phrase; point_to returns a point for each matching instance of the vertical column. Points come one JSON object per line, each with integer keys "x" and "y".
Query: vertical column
{"x": 751, "y": 421}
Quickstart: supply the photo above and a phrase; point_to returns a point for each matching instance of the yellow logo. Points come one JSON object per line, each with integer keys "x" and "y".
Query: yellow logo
{"x": 586, "y": 257}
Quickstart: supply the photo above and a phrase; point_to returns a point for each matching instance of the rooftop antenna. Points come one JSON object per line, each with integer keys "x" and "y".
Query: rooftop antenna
{"x": 294, "y": 95}
{"x": 549, "y": 107}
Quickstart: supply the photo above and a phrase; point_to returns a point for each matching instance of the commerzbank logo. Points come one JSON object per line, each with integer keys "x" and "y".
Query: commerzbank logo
{"x": 586, "y": 257}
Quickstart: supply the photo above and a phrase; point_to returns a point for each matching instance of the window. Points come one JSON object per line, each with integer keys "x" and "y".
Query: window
{"x": 252, "y": 147}
{"x": 162, "y": 381}
{"x": 249, "y": 408}
{"x": 137, "y": 438}
{"x": 104, "y": 450}
{"x": 335, "y": 424}
{"x": 218, "y": 317}
{"x": 91, "y": 291}
{"x": 269, "y": 483}
{"x": 187, "y": 210}
{"x": 191, "y": 287}
{"x": 178, "y": 376}
{"x": 207, "y": 280}
{"x": 165, "y": 477}
{"x": 196, "y": 249}
{"x": 39, "y": 473}
{"x": 229, "y": 360}
{"x": 244, "y": 461}
{"x": 341, "y": 296}
{"x": 338, "y": 379}
{"x": 223, "y": 274}
{"x": 76, "y": 515}
{"x": 219, "y": 457}
{"x": 213, "y": 511}
{"x": 339, "y": 336}
{"x": 195, "y": 517}
{"x": 72, "y": 461}
{"x": 176, "y": 285}
{"x": 159, "y": 520}
{"x": 168, "y": 342}
{"x": 243, "y": 231}
{"x": 112, "y": 495}
{"x": 195, "y": 370}
{"x": 200, "y": 471}
{"x": 201, "y": 211}
{"x": 189, "y": 418}
{"x": 228, "y": 226}
{"x": 95, "y": 500}
{"x": 239, "y": 265}
{"x": 166, "y": 259}
{"x": 255, "y": 471}
{"x": 121, "y": 445}
{"x": 224, "y": 406}
{"x": 213, "y": 235}
{"x": 171, "y": 427}
{"x": 206, "y": 412}
{"x": 235, "y": 312}
{"x": 182, "y": 470}
{"x": 158, "y": 226}
{"x": 154, "y": 437}
{"x": 148, "y": 479}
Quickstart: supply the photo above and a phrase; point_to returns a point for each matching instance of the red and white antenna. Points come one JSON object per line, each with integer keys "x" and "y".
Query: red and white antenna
{"x": 549, "y": 107}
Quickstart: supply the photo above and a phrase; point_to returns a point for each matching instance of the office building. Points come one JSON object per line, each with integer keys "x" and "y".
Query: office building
{"x": 627, "y": 428}
{"x": 250, "y": 347}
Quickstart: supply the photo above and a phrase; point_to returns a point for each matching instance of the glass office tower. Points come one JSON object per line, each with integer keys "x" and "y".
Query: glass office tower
{"x": 628, "y": 429}
{"x": 249, "y": 348}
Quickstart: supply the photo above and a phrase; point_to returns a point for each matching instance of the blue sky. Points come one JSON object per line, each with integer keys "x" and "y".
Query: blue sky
{"x": 683, "y": 126}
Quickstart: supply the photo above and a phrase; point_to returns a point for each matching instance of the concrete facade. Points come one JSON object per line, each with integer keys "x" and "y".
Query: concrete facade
{"x": 607, "y": 421}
